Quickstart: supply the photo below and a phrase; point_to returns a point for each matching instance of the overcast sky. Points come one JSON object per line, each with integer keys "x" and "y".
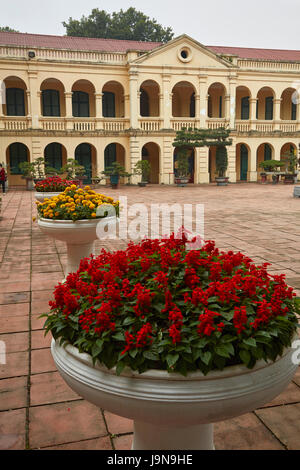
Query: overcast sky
{"x": 255, "y": 23}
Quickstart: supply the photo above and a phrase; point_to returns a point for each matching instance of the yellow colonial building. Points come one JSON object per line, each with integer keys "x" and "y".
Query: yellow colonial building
{"x": 103, "y": 100}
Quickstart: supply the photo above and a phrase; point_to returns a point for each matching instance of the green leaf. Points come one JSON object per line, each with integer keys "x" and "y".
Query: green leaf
{"x": 120, "y": 367}
{"x": 225, "y": 350}
{"x": 119, "y": 336}
{"x": 250, "y": 342}
{"x": 133, "y": 353}
{"x": 206, "y": 357}
{"x": 151, "y": 356}
{"x": 172, "y": 359}
{"x": 245, "y": 356}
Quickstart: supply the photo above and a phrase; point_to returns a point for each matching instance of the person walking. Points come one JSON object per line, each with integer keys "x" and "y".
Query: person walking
{"x": 2, "y": 177}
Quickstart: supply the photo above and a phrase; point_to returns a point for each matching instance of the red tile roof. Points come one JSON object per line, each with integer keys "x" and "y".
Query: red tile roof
{"x": 74, "y": 43}
{"x": 117, "y": 45}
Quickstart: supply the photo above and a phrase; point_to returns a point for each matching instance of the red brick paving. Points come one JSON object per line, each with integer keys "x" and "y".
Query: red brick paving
{"x": 37, "y": 409}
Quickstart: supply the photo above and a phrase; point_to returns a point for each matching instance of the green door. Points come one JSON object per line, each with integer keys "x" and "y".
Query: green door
{"x": 244, "y": 162}
{"x": 83, "y": 155}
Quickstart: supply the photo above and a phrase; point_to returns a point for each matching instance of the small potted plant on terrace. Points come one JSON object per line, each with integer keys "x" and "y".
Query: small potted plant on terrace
{"x": 73, "y": 217}
{"x": 39, "y": 165}
{"x": 73, "y": 170}
{"x": 159, "y": 327}
{"x": 28, "y": 173}
{"x": 115, "y": 172}
{"x": 182, "y": 167}
{"x": 291, "y": 169}
{"x": 142, "y": 168}
{"x": 221, "y": 166}
{"x": 271, "y": 166}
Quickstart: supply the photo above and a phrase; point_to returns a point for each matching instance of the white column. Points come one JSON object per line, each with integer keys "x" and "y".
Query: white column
{"x": 98, "y": 106}
{"x": 232, "y": 104}
{"x": 253, "y": 105}
{"x": 69, "y": 110}
{"x": 133, "y": 77}
{"x": 203, "y": 162}
{"x": 203, "y": 100}
{"x": 231, "y": 170}
{"x": 252, "y": 171}
{"x": 276, "y": 116}
{"x": 166, "y": 113}
{"x": 34, "y": 99}
{"x": 135, "y": 156}
{"x": 197, "y": 110}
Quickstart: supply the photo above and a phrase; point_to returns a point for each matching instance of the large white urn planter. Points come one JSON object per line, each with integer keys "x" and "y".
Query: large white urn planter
{"x": 171, "y": 411}
{"x": 42, "y": 196}
{"x": 79, "y": 236}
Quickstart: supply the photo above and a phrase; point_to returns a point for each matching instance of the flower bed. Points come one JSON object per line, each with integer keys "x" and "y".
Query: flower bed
{"x": 53, "y": 184}
{"x": 157, "y": 305}
{"x": 76, "y": 204}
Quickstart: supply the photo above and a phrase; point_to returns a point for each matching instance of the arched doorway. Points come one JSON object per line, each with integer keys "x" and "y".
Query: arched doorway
{"x": 183, "y": 100}
{"x": 216, "y": 100}
{"x": 149, "y": 99}
{"x": 287, "y": 152}
{"x": 114, "y": 152}
{"x": 55, "y": 155}
{"x": 85, "y": 155}
{"x": 16, "y": 97}
{"x": 191, "y": 157}
{"x": 242, "y": 162}
{"x": 52, "y": 98}
{"x": 151, "y": 153}
{"x": 16, "y": 154}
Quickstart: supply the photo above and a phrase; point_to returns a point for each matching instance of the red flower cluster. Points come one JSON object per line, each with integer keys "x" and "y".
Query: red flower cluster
{"x": 157, "y": 299}
{"x": 53, "y": 184}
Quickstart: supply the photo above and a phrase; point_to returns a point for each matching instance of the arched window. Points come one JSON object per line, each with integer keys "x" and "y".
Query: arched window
{"x": 50, "y": 102}
{"x": 17, "y": 154}
{"x": 53, "y": 155}
{"x": 267, "y": 152}
{"x": 108, "y": 104}
{"x": 110, "y": 155}
{"x": 80, "y": 104}
{"x": 269, "y": 108}
{"x": 144, "y": 104}
{"x": 15, "y": 102}
{"x": 245, "y": 107}
{"x": 83, "y": 155}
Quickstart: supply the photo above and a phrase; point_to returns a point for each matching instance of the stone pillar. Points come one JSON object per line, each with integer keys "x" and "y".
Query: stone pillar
{"x": 232, "y": 103}
{"x": 167, "y": 161}
{"x": 298, "y": 113}
{"x": 203, "y": 100}
{"x": 135, "y": 156}
{"x": 203, "y": 164}
{"x": 133, "y": 77}
{"x": 98, "y": 107}
{"x": 34, "y": 99}
{"x": 253, "y": 105}
{"x": 69, "y": 110}
{"x": 231, "y": 170}
{"x": 166, "y": 113}
{"x": 276, "y": 116}
{"x": 252, "y": 170}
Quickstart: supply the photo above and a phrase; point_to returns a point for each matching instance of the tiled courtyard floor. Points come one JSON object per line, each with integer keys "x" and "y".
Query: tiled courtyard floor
{"x": 37, "y": 409}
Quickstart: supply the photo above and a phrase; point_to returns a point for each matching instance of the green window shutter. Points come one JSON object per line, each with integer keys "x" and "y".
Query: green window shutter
{"x": 192, "y": 106}
{"x": 108, "y": 104}
{"x": 209, "y": 107}
{"x": 267, "y": 152}
{"x": 294, "y": 112}
{"x": 144, "y": 104}
{"x": 269, "y": 108}
{"x": 17, "y": 155}
{"x": 80, "y": 104}
{"x": 51, "y": 103}
{"x": 83, "y": 155}
{"x": 245, "y": 107}
{"x": 53, "y": 155}
{"x": 110, "y": 155}
{"x": 15, "y": 102}
{"x": 220, "y": 106}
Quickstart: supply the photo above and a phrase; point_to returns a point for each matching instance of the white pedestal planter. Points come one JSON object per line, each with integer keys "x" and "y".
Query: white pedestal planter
{"x": 171, "y": 411}
{"x": 79, "y": 236}
{"x": 42, "y": 196}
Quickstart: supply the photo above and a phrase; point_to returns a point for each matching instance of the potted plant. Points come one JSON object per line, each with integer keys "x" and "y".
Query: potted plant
{"x": 271, "y": 166}
{"x": 174, "y": 338}
{"x": 50, "y": 187}
{"x": 28, "y": 173}
{"x": 73, "y": 170}
{"x": 182, "y": 167}
{"x": 291, "y": 167}
{"x": 143, "y": 168}
{"x": 115, "y": 172}
{"x": 73, "y": 217}
{"x": 221, "y": 166}
{"x": 39, "y": 165}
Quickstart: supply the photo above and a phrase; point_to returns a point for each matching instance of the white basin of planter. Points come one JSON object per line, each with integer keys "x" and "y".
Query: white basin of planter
{"x": 171, "y": 411}
{"x": 79, "y": 236}
{"x": 42, "y": 196}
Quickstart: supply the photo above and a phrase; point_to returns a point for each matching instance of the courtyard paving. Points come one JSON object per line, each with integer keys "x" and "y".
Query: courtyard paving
{"x": 37, "y": 409}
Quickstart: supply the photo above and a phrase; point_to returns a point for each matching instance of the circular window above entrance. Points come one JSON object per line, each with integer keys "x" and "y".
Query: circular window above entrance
{"x": 185, "y": 54}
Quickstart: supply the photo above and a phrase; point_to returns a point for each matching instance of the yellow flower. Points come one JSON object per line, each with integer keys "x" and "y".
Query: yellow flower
{"x": 33, "y": 219}
{"x": 94, "y": 214}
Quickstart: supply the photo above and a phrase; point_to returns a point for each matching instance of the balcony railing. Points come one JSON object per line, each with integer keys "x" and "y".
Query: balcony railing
{"x": 215, "y": 123}
{"x": 53, "y": 124}
{"x": 264, "y": 126}
{"x": 115, "y": 124}
{"x": 16, "y": 123}
{"x": 242, "y": 125}
{"x": 178, "y": 123}
{"x": 150, "y": 124}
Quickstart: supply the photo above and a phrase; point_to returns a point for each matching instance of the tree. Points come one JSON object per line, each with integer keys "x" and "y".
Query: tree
{"x": 7, "y": 29}
{"x": 130, "y": 25}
